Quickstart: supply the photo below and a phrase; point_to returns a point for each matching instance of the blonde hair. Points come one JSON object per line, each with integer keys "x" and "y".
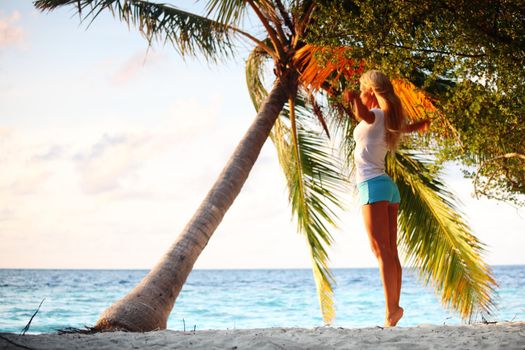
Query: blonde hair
{"x": 389, "y": 103}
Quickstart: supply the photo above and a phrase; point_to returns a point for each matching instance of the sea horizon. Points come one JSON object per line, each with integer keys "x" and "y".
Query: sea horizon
{"x": 216, "y": 268}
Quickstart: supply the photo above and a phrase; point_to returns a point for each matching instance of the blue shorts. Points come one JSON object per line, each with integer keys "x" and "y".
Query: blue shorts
{"x": 379, "y": 188}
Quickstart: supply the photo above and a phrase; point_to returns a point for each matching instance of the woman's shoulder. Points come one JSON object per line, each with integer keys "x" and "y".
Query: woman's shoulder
{"x": 378, "y": 113}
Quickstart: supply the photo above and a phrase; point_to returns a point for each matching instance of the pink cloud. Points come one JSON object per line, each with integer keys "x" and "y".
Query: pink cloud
{"x": 29, "y": 183}
{"x": 114, "y": 160}
{"x": 10, "y": 33}
{"x": 133, "y": 66}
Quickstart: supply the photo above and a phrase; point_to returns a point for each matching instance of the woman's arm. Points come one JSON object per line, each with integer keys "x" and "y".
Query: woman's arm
{"x": 421, "y": 126}
{"x": 361, "y": 112}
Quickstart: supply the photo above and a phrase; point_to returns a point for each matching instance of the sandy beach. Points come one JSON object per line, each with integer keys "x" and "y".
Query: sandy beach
{"x": 479, "y": 336}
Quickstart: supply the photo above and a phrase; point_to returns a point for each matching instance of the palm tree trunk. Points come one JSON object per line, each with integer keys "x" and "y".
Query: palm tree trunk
{"x": 149, "y": 304}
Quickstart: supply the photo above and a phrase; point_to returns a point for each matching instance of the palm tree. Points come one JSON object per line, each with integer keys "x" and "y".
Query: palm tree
{"x": 434, "y": 235}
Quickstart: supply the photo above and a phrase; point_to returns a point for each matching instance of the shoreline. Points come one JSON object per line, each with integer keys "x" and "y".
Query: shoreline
{"x": 504, "y": 335}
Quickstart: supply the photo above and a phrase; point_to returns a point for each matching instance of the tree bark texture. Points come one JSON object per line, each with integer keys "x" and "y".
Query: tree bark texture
{"x": 149, "y": 304}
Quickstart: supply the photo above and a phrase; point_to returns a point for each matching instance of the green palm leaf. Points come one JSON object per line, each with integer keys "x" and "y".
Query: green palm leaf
{"x": 187, "y": 32}
{"x": 254, "y": 76}
{"x": 314, "y": 181}
{"x": 227, "y": 11}
{"x": 437, "y": 241}
{"x": 313, "y": 177}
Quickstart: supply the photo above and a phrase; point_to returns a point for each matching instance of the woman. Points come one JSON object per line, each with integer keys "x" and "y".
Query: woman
{"x": 382, "y": 121}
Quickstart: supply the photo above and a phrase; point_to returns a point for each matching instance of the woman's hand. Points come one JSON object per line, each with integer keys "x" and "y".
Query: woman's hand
{"x": 425, "y": 126}
{"x": 349, "y": 96}
{"x": 421, "y": 126}
{"x": 360, "y": 111}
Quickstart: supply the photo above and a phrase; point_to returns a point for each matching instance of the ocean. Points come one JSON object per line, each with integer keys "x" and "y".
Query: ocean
{"x": 235, "y": 299}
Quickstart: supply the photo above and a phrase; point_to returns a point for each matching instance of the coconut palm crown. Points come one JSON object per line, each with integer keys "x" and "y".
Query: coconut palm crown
{"x": 433, "y": 235}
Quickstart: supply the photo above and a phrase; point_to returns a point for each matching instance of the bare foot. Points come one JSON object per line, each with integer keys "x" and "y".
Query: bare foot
{"x": 394, "y": 318}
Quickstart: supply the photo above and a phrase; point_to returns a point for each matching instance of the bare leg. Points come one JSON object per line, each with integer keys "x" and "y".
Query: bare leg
{"x": 377, "y": 223}
{"x": 392, "y": 218}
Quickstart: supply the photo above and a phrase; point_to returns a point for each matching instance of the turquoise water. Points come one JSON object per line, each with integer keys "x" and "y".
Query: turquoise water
{"x": 227, "y": 299}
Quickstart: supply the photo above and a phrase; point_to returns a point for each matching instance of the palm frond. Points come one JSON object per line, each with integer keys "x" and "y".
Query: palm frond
{"x": 318, "y": 113}
{"x": 416, "y": 103}
{"x": 274, "y": 32}
{"x": 437, "y": 241}
{"x": 228, "y": 12}
{"x": 285, "y": 15}
{"x": 189, "y": 33}
{"x": 302, "y": 14}
{"x": 314, "y": 181}
{"x": 271, "y": 12}
{"x": 343, "y": 125}
{"x": 254, "y": 76}
{"x": 419, "y": 105}
{"x": 313, "y": 178}
{"x": 322, "y": 67}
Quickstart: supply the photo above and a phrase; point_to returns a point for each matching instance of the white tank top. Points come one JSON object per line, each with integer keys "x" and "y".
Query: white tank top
{"x": 371, "y": 148}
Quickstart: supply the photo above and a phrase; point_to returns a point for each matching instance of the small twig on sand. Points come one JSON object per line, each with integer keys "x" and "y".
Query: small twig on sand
{"x": 73, "y": 330}
{"x": 484, "y": 321}
{"x": 26, "y": 328}
{"x": 15, "y": 344}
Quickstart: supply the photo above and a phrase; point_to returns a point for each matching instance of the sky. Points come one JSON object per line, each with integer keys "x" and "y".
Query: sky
{"x": 107, "y": 149}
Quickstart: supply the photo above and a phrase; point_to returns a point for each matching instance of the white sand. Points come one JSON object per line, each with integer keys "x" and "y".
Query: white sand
{"x": 492, "y": 336}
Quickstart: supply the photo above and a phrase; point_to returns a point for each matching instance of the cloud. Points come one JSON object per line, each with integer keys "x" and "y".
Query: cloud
{"x": 19, "y": 176}
{"x": 133, "y": 66}
{"x": 113, "y": 160}
{"x": 6, "y": 214}
{"x": 54, "y": 152}
{"x": 5, "y": 136}
{"x": 10, "y": 33}
{"x": 29, "y": 183}
{"x": 5, "y": 133}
